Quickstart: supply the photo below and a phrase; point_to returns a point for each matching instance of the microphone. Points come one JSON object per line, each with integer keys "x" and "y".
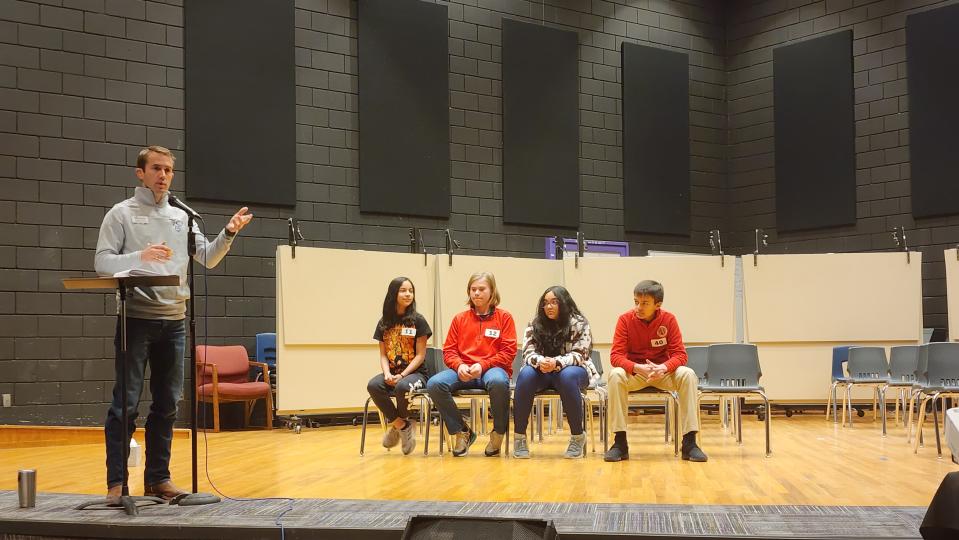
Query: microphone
{"x": 177, "y": 203}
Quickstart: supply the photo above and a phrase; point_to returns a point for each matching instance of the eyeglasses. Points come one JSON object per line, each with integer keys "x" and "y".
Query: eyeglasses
{"x": 550, "y": 303}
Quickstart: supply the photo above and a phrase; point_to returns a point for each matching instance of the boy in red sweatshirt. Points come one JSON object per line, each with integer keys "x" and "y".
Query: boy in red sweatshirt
{"x": 648, "y": 350}
{"x": 479, "y": 350}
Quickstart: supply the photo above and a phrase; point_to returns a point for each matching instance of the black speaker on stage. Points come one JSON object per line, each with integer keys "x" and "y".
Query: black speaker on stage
{"x": 477, "y": 528}
{"x": 942, "y": 517}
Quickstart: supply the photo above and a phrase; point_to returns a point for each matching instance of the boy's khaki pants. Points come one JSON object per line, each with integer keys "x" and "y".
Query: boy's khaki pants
{"x": 683, "y": 381}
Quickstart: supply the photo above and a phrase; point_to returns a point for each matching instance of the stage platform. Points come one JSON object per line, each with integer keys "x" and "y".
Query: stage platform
{"x": 822, "y": 481}
{"x": 54, "y": 517}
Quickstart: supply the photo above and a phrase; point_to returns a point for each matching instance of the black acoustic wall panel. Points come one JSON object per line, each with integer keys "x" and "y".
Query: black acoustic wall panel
{"x": 540, "y": 125}
{"x": 932, "y": 55}
{"x": 815, "y": 133}
{"x": 655, "y": 140}
{"x": 240, "y": 101}
{"x": 404, "y": 108}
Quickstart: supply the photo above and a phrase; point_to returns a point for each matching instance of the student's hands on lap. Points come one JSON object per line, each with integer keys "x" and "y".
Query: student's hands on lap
{"x": 656, "y": 371}
{"x": 476, "y": 371}
{"x": 641, "y": 369}
{"x": 390, "y": 379}
{"x": 464, "y": 373}
{"x": 547, "y": 365}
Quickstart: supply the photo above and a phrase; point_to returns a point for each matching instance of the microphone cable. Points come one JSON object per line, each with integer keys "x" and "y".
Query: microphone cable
{"x": 202, "y": 416}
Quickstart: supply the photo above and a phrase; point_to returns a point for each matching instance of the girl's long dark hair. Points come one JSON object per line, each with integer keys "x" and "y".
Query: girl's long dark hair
{"x": 390, "y": 317}
{"x": 552, "y": 335}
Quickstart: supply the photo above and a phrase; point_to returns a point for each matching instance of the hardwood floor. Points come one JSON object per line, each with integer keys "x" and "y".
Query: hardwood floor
{"x": 813, "y": 462}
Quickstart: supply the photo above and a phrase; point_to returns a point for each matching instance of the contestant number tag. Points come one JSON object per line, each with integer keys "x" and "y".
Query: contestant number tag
{"x": 491, "y": 333}
{"x": 407, "y": 331}
{"x": 141, "y": 220}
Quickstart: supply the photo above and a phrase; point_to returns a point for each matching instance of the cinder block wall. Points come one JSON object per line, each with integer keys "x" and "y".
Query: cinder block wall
{"x": 753, "y": 30}
{"x": 85, "y": 83}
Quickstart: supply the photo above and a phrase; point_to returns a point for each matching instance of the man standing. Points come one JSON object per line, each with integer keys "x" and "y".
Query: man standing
{"x": 145, "y": 232}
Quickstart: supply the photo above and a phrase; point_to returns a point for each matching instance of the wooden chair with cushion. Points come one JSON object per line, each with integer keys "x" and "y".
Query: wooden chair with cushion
{"x": 223, "y": 376}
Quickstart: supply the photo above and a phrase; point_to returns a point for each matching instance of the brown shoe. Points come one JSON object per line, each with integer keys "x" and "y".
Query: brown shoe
{"x": 165, "y": 490}
{"x": 113, "y": 495}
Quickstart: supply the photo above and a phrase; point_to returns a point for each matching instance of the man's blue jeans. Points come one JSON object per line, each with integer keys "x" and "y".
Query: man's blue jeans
{"x": 494, "y": 380}
{"x": 160, "y": 343}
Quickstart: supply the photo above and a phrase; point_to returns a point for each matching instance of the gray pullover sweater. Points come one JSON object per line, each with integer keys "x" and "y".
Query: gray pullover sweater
{"x": 129, "y": 227}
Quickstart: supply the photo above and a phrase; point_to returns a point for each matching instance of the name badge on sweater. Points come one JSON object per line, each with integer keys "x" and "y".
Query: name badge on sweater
{"x": 657, "y": 342}
{"x": 141, "y": 220}
{"x": 491, "y": 333}
{"x": 408, "y": 331}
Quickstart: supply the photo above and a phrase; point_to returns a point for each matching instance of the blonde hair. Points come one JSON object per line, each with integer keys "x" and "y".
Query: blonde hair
{"x": 494, "y": 292}
{"x": 144, "y": 154}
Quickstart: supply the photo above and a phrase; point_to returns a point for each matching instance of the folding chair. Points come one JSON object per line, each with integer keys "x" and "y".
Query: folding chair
{"x": 553, "y": 396}
{"x": 670, "y": 399}
{"x": 903, "y": 361}
{"x": 840, "y": 355}
{"x": 434, "y": 364}
{"x": 942, "y": 374}
{"x": 867, "y": 367}
{"x": 733, "y": 370}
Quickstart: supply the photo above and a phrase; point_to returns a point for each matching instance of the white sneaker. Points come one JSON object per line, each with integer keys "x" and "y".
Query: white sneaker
{"x": 408, "y": 438}
{"x": 520, "y": 448}
{"x": 576, "y": 448}
{"x": 391, "y": 438}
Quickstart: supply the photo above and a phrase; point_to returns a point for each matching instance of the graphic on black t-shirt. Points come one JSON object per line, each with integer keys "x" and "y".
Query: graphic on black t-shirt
{"x": 400, "y": 343}
{"x": 400, "y": 349}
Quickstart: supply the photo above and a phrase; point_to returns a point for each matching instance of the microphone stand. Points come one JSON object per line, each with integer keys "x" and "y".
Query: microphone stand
{"x": 194, "y": 498}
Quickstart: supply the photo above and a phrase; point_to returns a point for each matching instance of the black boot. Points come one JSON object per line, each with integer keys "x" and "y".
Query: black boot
{"x": 690, "y": 451}
{"x": 620, "y": 449}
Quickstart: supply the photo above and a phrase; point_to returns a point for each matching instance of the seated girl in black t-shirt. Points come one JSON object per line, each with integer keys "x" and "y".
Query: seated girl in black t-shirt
{"x": 402, "y": 333}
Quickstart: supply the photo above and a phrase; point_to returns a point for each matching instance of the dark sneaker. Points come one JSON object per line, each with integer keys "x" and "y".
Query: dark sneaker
{"x": 576, "y": 448}
{"x": 464, "y": 440}
{"x": 616, "y": 453}
{"x": 520, "y": 448}
{"x": 693, "y": 453}
{"x": 408, "y": 438}
{"x": 391, "y": 438}
{"x": 494, "y": 444}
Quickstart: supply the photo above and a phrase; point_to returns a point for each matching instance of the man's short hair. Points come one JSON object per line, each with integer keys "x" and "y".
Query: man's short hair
{"x": 144, "y": 154}
{"x": 650, "y": 288}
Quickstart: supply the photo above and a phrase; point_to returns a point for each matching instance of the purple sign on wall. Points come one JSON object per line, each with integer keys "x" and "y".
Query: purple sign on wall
{"x": 603, "y": 248}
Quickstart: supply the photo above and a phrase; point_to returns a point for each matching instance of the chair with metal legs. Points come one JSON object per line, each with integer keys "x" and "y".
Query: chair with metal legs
{"x": 479, "y": 400}
{"x": 597, "y": 388}
{"x": 733, "y": 370}
{"x": 696, "y": 361}
{"x": 942, "y": 374}
{"x": 903, "y": 361}
{"x": 922, "y": 361}
{"x": 434, "y": 364}
{"x": 840, "y": 355}
{"x": 867, "y": 367}
{"x": 670, "y": 410}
